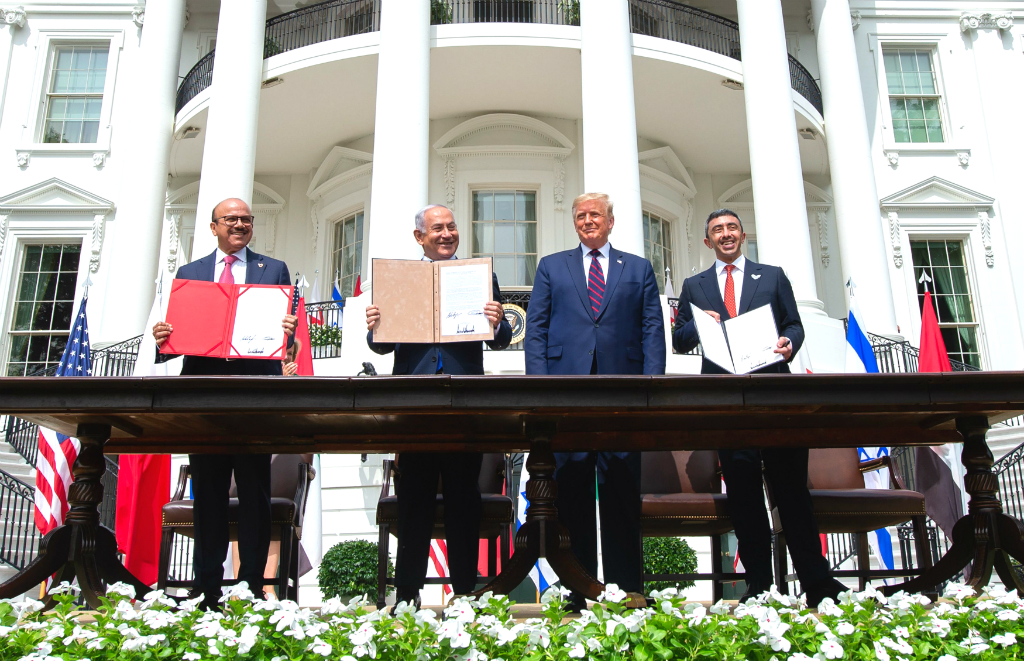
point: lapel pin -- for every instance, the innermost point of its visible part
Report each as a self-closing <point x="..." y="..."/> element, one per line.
<point x="619" y="261"/>
<point x="753" y="277"/>
<point x="261" y="266"/>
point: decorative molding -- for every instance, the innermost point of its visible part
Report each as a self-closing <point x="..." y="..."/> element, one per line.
<point x="139" y="15"/>
<point x="894" y="158"/>
<point x="188" y="15"/>
<point x="559" y="187"/>
<point x="986" y="237"/>
<point x="449" y="180"/>
<point x="3" y="232"/>
<point x="316" y="230"/>
<point x="936" y="193"/>
<point x="173" y="239"/>
<point x="894" y="238"/>
<point x="15" y="17"/>
<point x="328" y="176"/>
<point x="99" y="222"/>
<point x="24" y="158"/>
<point x="99" y="159"/>
<point x="810" y="19"/>
<point x="855" y="19"/>
<point x="972" y="20"/>
<point x="964" y="157"/>
<point x="54" y="196"/>
<point x="822" y="218"/>
<point x="269" y="232"/>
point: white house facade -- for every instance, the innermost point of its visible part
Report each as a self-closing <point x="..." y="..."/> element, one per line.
<point x="863" y="142"/>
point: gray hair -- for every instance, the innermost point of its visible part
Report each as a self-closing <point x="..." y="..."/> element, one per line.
<point x="718" y="214"/>
<point x="587" y="197"/>
<point x="421" y="215"/>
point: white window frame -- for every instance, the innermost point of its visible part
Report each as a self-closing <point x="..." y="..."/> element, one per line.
<point x="35" y="120"/>
<point x="469" y="221"/>
<point x="932" y="42"/>
<point x="325" y="287"/>
<point x="674" y="223"/>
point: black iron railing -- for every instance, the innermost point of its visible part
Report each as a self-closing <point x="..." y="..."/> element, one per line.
<point x="325" y="320"/>
<point x="19" y="539"/>
<point x="697" y="350"/>
<point x="1010" y="472"/>
<point x="116" y="359"/>
<point x="550" y="12"/>
<point x="901" y="356"/>
<point x="315" y="24"/>
<point x="695" y="27"/>
<point x="342" y="18"/>
<point x="23" y="436"/>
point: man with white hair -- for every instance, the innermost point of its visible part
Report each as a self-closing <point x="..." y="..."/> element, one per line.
<point x="438" y="234"/>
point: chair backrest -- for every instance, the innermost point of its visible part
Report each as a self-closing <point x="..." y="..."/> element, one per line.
<point x="680" y="472"/>
<point x="284" y="475"/>
<point x="834" y="468"/>
<point x="492" y="473"/>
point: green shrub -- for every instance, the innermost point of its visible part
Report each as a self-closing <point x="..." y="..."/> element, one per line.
<point x="571" y="10"/>
<point x="440" y="12"/>
<point x="668" y="555"/>
<point x="350" y="569"/>
<point x="322" y="335"/>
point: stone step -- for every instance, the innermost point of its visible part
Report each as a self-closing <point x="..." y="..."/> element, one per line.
<point x="7" y="572"/>
<point x="12" y="456"/>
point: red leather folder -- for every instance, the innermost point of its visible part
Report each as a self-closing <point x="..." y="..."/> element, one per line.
<point x="203" y="317"/>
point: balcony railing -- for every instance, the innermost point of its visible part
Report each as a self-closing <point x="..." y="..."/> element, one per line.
<point x="901" y="356"/>
<point x="333" y="19"/>
<point x="19" y="539"/>
<point x="324" y="328"/>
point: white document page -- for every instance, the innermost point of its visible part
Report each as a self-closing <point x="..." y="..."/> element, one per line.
<point x="753" y="337"/>
<point x="712" y="339"/>
<point x="464" y="290"/>
<point x="257" y="331"/>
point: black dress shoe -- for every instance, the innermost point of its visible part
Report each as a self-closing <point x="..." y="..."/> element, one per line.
<point x="576" y="603"/>
<point x="754" y="590"/>
<point x="828" y="588"/>
<point x="408" y="595"/>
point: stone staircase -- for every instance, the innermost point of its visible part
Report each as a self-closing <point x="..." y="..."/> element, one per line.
<point x="15" y="465"/>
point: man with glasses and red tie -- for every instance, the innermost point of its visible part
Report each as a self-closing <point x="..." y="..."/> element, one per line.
<point x="734" y="285"/>
<point x="596" y="310"/>
<point x="231" y="263"/>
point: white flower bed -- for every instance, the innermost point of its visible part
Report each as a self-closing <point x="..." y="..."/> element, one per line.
<point x="864" y="625"/>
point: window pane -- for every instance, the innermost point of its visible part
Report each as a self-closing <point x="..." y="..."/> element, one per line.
<point x="526" y="237"/>
<point x="924" y="60"/>
<point x="937" y="250"/>
<point x="504" y="234"/>
<point x="69" y="260"/>
<point x="655" y="231"/>
<point x="66" y="287"/>
<point x="90" y="132"/>
<point x="359" y="228"/>
<point x="915" y="109"/>
<point x="63" y="58"/>
<point x="80" y="58"/>
<point x="505" y="268"/>
<point x="901" y="131"/>
<point x="95" y="82"/>
<point x="19" y="347"/>
<point x="934" y="129"/>
<point x="504" y="206"/>
<point x="530" y="212"/>
<point x="72" y="132"/>
<point x="79" y="82"/>
<point x="908" y="61"/>
<point x="928" y="83"/>
<point x="23" y="316"/>
<point x="349" y="232"/>
<point x="483" y="238"/>
<point x="666" y="237"/>
<point x="92" y="108"/>
<point x="27" y="289"/>
<point x="658" y="263"/>
<point x="41" y="316"/>
<point x="57" y="345"/>
<point x="898" y="108"/>
<point x="483" y="206"/>
<point x="962" y="305"/>
<point x="62" y="313"/>
<point x="944" y="309"/>
<point x="47" y="286"/>
<point x="58" y="108"/>
<point x="99" y="59"/>
<point x="531" y="269"/>
<point x="53" y="131"/>
<point x="647" y="227"/>
<point x="32" y="255"/>
<point x="919" y="253"/>
<point x="38" y="347"/>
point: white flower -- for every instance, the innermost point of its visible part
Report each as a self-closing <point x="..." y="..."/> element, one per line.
<point x="958" y="591"/>
<point x="363" y="635"/>
<point x="122" y="589"/>
<point x="191" y="656"/>
<point x="829" y="608"/>
<point x="880" y="652"/>
<point x="610" y="627"/>
<point x="978" y="648"/>
<point x="577" y="651"/>
<point x="720" y="608"/>
<point x="800" y="656"/>
<point x="1008" y="615"/>
<point x="845" y="628"/>
<point x="667" y="593"/>
<point x="697" y="615"/>
<point x="239" y="591"/>
<point x="947" y="657"/>
<point x="64" y="588"/>
<point x="1004" y="639"/>
<point x="612" y="593"/>
<point x="594" y="645"/>
<point x="832" y="650"/>
<point x="461" y="610"/>
<point x="553" y="593"/>
<point x="902" y="632"/>
<point x="320" y="647"/>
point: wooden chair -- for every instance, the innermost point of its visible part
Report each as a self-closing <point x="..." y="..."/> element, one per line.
<point x="497" y="517"/>
<point x="841" y="504"/>
<point x="290" y="477"/>
<point x="682" y="497"/>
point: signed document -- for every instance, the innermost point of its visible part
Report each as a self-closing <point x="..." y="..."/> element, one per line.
<point x="742" y="344"/>
<point x="430" y="302"/>
<point x="227" y="321"/>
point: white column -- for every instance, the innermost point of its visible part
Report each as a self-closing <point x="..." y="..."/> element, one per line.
<point x="610" y="160"/>
<point x="140" y="209"/>
<point x="858" y="219"/>
<point x="783" y="235"/>
<point x="401" y="140"/>
<point x="229" y="154"/>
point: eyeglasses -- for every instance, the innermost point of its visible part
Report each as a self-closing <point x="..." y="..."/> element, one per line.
<point x="236" y="220"/>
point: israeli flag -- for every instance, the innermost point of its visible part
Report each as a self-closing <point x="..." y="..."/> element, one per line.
<point x="860" y="359"/>
<point x="336" y="295"/>
<point x="542" y="575"/>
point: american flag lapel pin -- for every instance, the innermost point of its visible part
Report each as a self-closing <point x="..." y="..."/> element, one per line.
<point x="619" y="261"/>
<point x="261" y="264"/>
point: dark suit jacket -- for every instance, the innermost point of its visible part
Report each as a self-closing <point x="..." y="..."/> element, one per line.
<point x="562" y="334"/>
<point x="456" y="357"/>
<point x="762" y="285"/>
<point x="259" y="270"/>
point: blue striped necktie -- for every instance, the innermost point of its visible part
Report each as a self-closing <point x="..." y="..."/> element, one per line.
<point x="595" y="283"/>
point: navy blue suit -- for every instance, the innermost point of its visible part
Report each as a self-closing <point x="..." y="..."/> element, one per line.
<point x="785" y="469"/>
<point x="626" y="336"/>
<point x="211" y="474"/>
<point x="459" y="471"/>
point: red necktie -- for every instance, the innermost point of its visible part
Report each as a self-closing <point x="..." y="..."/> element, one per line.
<point x="226" y="276"/>
<point x="730" y="291"/>
<point x="595" y="282"/>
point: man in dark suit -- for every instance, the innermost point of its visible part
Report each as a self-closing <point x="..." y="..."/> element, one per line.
<point x="231" y="263"/>
<point x="438" y="234"/>
<point x="732" y="286"/>
<point x="596" y="310"/>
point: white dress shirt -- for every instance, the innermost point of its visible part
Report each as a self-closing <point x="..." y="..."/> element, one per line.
<point x="602" y="260"/>
<point x="237" y="269"/>
<point x="737" y="277"/>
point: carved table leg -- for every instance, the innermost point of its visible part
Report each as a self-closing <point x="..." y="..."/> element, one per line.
<point x="542" y="536"/>
<point x="985" y="536"/>
<point x="81" y="547"/>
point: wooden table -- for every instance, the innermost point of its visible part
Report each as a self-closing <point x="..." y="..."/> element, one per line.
<point x="508" y="413"/>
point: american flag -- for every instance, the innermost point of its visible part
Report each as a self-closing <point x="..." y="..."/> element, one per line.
<point x="57" y="452"/>
<point x="439" y="558"/>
